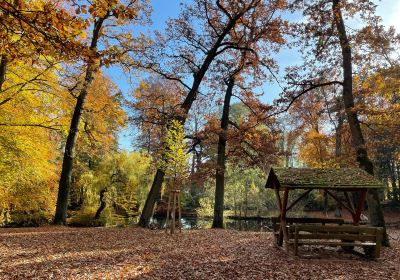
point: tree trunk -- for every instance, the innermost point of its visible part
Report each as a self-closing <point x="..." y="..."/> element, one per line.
<point x="194" y="188"/>
<point x="102" y="204"/>
<point x="338" y="137"/>
<point x="3" y="69"/>
<point x="338" y="149"/>
<point x="186" y="105"/>
<point x="234" y="205"/>
<point x="375" y="212"/>
<point x="69" y="153"/>
<point x="393" y="181"/>
<point x="151" y="199"/>
<point x="246" y="200"/>
<point x="398" y="180"/>
<point x="193" y="184"/>
<point x="218" y="221"/>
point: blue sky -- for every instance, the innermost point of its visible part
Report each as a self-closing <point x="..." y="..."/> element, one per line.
<point x="162" y="10"/>
<point x="389" y="10"/>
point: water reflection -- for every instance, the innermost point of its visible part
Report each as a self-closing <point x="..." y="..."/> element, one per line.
<point x="205" y="223"/>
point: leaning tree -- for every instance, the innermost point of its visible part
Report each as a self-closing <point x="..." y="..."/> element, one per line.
<point x="204" y="30"/>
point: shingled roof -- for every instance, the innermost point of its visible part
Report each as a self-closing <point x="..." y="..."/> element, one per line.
<point x="310" y="178"/>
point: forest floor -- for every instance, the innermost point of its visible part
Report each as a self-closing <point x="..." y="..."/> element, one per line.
<point x="135" y="253"/>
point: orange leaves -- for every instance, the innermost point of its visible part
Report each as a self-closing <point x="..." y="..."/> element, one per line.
<point x="44" y="27"/>
<point x="58" y="30"/>
<point x="103" y="116"/>
<point x="134" y="253"/>
<point x="156" y="103"/>
<point x="116" y="8"/>
<point x="250" y="139"/>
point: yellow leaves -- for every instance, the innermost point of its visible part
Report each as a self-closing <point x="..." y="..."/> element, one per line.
<point x="379" y="94"/>
<point x="83" y="35"/>
<point x="28" y="170"/>
<point x="316" y="150"/>
<point x="175" y="162"/>
<point x="314" y="135"/>
<point x="15" y="37"/>
<point x="138" y="94"/>
<point x="124" y="179"/>
<point x="143" y="85"/>
<point x="28" y="161"/>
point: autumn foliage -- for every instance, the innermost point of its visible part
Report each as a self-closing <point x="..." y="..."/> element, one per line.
<point x="100" y="108"/>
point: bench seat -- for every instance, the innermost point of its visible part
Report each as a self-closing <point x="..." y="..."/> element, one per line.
<point x="346" y="236"/>
<point x="302" y="221"/>
<point x="332" y="243"/>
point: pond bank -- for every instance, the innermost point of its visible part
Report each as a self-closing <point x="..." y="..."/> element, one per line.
<point x="191" y="222"/>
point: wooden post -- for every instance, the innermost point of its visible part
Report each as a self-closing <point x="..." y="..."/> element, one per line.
<point x="168" y="207"/>
<point x="179" y="212"/>
<point x="280" y="235"/>
<point x="296" y="240"/>
<point x="173" y="212"/>
<point x="283" y="218"/>
<point x="360" y="207"/>
<point x="379" y="235"/>
<point x="175" y="200"/>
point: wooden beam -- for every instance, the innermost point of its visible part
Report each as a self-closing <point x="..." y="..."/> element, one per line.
<point x="349" y="201"/>
<point x="340" y="202"/>
<point x="298" y="199"/>
<point x="350" y="204"/>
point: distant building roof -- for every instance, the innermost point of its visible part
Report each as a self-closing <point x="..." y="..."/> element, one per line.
<point x="317" y="178"/>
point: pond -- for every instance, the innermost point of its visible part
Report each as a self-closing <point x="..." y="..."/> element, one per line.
<point x="204" y="223"/>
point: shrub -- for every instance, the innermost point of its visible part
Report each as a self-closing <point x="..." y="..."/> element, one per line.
<point x="85" y="218"/>
<point x="26" y="218"/>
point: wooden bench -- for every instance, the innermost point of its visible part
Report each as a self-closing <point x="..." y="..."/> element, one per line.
<point x="291" y="221"/>
<point x="346" y="236"/>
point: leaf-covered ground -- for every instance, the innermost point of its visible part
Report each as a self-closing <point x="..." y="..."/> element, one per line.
<point x="133" y="253"/>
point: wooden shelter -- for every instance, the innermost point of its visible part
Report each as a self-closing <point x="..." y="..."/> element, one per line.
<point x="331" y="181"/>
